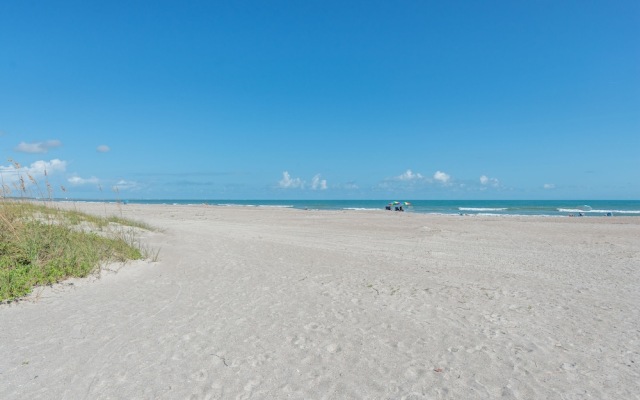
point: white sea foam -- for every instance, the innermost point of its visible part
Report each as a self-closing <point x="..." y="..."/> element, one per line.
<point x="253" y="205"/>
<point x="578" y="210"/>
<point x="481" y="209"/>
<point x="512" y="215"/>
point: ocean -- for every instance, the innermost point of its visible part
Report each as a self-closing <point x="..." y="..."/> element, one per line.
<point x="551" y="208"/>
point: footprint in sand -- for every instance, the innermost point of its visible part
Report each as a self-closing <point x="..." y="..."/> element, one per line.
<point x="200" y="375"/>
<point x="569" y="366"/>
<point x="333" y="348"/>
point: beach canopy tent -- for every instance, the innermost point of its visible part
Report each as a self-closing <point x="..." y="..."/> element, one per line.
<point x="397" y="204"/>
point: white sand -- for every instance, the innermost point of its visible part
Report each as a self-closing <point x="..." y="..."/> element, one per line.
<point x="281" y="303"/>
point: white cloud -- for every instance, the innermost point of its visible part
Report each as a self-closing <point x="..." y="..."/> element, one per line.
<point x="549" y="186"/>
<point x="125" y="185"/>
<point x="486" y="181"/>
<point x="288" y="183"/>
<point x="103" y="148"/>
<point x="36" y="169"/>
<point x="76" y="180"/>
<point x="38" y="147"/>
<point x="351" y="186"/>
<point x="318" y="184"/>
<point x="47" y="167"/>
<point x="30" y="175"/>
<point x="410" y="176"/>
<point x="441" y="177"/>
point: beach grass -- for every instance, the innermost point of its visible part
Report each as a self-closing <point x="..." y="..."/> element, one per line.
<point x="41" y="245"/>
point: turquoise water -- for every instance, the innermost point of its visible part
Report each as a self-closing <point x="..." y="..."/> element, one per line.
<point x="472" y="207"/>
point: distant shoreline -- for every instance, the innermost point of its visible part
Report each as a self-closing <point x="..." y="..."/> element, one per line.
<point x="548" y="208"/>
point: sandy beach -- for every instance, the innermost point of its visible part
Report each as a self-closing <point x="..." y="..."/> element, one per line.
<point x="269" y="303"/>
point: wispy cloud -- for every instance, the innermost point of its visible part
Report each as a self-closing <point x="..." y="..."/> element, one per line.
<point x="441" y="177"/>
<point x="77" y="181"/>
<point x="351" y="186"/>
<point x="290" y="183"/>
<point x="318" y="184"/>
<point x="103" y="148"/>
<point x="410" y="180"/>
<point x="125" y="185"/>
<point x="37" y="147"/>
<point x="486" y="181"/>
<point x="408" y="175"/>
<point x="549" y="186"/>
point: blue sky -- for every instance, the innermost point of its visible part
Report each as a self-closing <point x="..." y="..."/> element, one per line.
<point x="322" y="99"/>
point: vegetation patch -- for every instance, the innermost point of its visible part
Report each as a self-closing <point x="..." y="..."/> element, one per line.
<point x="41" y="245"/>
